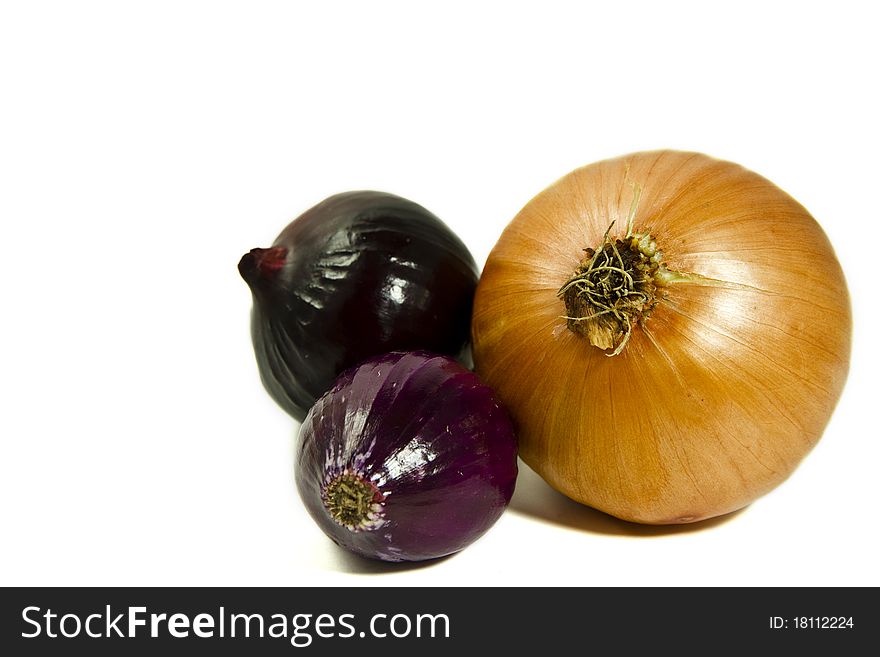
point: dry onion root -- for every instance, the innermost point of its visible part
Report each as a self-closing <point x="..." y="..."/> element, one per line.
<point x="722" y="306"/>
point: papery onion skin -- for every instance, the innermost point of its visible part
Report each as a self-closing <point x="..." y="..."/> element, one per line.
<point x="360" y="274"/>
<point x="423" y="441"/>
<point x="724" y="387"/>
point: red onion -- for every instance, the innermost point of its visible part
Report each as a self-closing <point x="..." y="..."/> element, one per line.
<point x="358" y="275"/>
<point x="408" y="457"/>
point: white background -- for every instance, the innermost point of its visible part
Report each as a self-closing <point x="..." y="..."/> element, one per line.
<point x="145" y="146"/>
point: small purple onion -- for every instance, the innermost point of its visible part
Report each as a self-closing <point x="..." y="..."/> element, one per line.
<point x="408" y="457"/>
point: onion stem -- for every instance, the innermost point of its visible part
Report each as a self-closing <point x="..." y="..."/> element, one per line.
<point x="633" y="208"/>
<point x="612" y="289"/>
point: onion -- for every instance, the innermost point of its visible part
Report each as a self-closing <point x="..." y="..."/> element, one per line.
<point x="408" y="457"/>
<point x="360" y="274"/>
<point x="725" y="315"/>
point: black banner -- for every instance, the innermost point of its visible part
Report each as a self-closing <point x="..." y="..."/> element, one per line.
<point x="402" y="621"/>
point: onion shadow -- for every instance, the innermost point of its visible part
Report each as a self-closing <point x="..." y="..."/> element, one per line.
<point x="349" y="562"/>
<point x="536" y="499"/>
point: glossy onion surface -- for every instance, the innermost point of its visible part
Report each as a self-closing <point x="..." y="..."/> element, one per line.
<point x="360" y="274"/>
<point x="730" y="374"/>
<point x="408" y="457"/>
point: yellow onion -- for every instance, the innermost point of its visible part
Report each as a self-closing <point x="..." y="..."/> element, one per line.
<point x="669" y="332"/>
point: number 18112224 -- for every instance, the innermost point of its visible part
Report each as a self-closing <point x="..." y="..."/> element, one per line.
<point x="812" y="622"/>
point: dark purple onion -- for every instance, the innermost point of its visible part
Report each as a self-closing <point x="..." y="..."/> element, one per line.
<point x="358" y="275"/>
<point x="408" y="457"/>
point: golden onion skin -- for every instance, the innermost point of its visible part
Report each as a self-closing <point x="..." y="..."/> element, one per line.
<point x="727" y="384"/>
